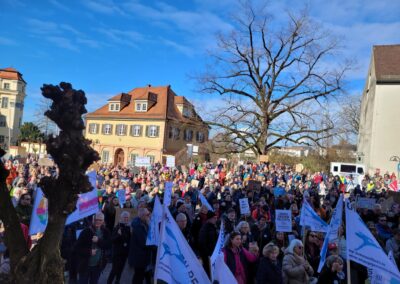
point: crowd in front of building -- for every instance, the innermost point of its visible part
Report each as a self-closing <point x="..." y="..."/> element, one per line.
<point x="255" y="251"/>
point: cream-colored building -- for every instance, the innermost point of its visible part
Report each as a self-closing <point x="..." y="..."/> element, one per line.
<point x="146" y="122"/>
<point x="12" y="96"/>
<point x="379" y="132"/>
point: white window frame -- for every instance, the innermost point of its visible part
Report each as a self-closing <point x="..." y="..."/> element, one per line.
<point x="105" y="156"/>
<point x="153" y="131"/>
<point x="132" y="158"/>
<point x="141" y="106"/>
<point x="7" y="86"/>
<point x="4" y="105"/>
<point x="108" y="127"/>
<point x="117" y="107"/>
<point x="93" y="127"/>
<point x="111" y="107"/>
<point x="136" y="130"/>
<point x="152" y="158"/>
<point x="121" y="129"/>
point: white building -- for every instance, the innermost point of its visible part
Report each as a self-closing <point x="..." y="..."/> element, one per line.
<point x="12" y="95"/>
<point x="379" y="133"/>
<point x="295" y="151"/>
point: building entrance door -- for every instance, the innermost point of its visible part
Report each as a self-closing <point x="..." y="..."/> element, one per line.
<point x="119" y="157"/>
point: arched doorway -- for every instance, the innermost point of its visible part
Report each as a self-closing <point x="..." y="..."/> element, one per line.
<point x="119" y="157"/>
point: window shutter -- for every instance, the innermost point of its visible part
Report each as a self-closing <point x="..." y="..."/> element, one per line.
<point x="147" y="131"/>
<point x="131" y="130"/>
<point x="103" y="129"/>
<point x="140" y="130"/>
<point x="117" y="129"/>
<point x="158" y="131"/>
<point x="111" y="129"/>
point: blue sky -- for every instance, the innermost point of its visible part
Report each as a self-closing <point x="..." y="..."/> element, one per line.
<point x="106" y="47"/>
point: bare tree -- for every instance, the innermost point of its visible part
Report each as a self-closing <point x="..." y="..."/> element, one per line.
<point x="43" y="122"/>
<point x="274" y="80"/>
<point x="73" y="155"/>
<point x="349" y="117"/>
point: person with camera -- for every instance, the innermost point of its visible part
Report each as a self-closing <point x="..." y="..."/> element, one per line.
<point x="120" y="238"/>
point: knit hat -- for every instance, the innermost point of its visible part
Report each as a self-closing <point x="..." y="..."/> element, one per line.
<point x="210" y="215"/>
<point x="179" y="203"/>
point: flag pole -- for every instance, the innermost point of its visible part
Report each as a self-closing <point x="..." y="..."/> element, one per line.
<point x="159" y="241"/>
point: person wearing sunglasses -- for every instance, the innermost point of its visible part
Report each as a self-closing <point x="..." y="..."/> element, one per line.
<point x="295" y="268"/>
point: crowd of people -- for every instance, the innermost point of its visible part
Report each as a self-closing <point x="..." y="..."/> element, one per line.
<point x="255" y="251"/>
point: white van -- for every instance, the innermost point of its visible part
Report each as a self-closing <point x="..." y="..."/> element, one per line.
<point x="355" y="172"/>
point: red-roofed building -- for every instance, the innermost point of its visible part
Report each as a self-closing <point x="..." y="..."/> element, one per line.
<point x="146" y="122"/>
<point x="12" y="96"/>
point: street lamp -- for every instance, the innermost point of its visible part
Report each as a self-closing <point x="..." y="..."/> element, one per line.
<point x="396" y="159"/>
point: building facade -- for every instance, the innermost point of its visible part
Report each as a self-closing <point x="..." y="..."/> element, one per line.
<point x="146" y="122"/>
<point x="379" y="132"/>
<point x="12" y="96"/>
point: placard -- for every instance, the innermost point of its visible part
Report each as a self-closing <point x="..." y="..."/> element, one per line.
<point x="283" y="220"/>
<point x="244" y="206"/>
<point x="46" y="162"/>
<point x="118" y="211"/>
<point x="194" y="183"/>
<point x="263" y="158"/>
<point x="142" y="162"/>
<point x="363" y="202"/>
<point x="170" y="161"/>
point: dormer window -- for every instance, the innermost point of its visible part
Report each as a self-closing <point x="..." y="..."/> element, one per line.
<point x="141" y="106"/>
<point x="114" y="107"/>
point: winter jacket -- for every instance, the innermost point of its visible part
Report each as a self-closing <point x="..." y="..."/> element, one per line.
<point x="139" y="253"/>
<point x="269" y="272"/>
<point x="120" y="242"/>
<point x="207" y="239"/>
<point x="293" y="270"/>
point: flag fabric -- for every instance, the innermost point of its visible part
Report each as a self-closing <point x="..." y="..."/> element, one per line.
<point x="364" y="249"/>
<point x="219" y="270"/>
<point x="176" y="262"/>
<point x="121" y="197"/>
<point x="394" y="185"/>
<point x="86" y="205"/>
<point x="308" y="217"/>
<point x="333" y="229"/>
<point x="153" y="235"/>
<point x="378" y="278"/>
<point x="168" y="194"/>
<point x="205" y="202"/>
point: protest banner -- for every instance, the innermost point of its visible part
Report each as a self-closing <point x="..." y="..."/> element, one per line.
<point x="142" y="162"/>
<point x="363" y="248"/>
<point x="132" y="214"/>
<point x="170" y="161"/>
<point x="283" y="220"/>
<point x="219" y="270"/>
<point x="244" y="206"/>
<point x="254" y="185"/>
<point x="309" y="218"/>
<point x="363" y="202"/>
<point x="205" y="203"/>
<point x="153" y="234"/>
<point x="176" y="262"/>
<point x="46" y="162"/>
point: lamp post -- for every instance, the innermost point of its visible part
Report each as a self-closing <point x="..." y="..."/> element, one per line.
<point x="396" y="159"/>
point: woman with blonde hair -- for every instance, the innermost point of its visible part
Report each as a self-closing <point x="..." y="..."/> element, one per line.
<point x="295" y="268"/>
<point x="270" y="268"/>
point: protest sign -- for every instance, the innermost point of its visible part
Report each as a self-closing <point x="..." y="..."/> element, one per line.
<point x="279" y="191"/>
<point x="121" y="197"/>
<point x="363" y="248"/>
<point x="283" y="220"/>
<point x="194" y="183"/>
<point x="263" y="158"/>
<point x="132" y="214"/>
<point x="176" y="262"/>
<point x="244" y="206"/>
<point x="363" y="202"/>
<point x="299" y="168"/>
<point x="142" y="162"/>
<point x="46" y="162"/>
<point x="254" y="185"/>
<point x="170" y="161"/>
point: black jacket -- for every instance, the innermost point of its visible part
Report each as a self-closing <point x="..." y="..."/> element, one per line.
<point x="208" y="237"/>
<point x="139" y="253"/>
<point x="121" y="241"/>
<point x="268" y="272"/>
<point x="83" y="247"/>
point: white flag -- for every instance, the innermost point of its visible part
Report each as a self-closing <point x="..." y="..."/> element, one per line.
<point x="309" y="218"/>
<point x="379" y="278"/>
<point x="167" y="194"/>
<point x="219" y="270"/>
<point x="176" y="262"/>
<point x="153" y="235"/>
<point x="205" y="202"/>
<point x="364" y="249"/>
<point x="333" y="229"/>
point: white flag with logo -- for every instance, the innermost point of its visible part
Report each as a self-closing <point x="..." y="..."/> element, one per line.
<point x="219" y="270"/>
<point x="333" y="229"/>
<point x="364" y="249"/>
<point x="153" y="235"/>
<point x="176" y="262"/>
<point x="205" y="202"/>
<point x="308" y="217"/>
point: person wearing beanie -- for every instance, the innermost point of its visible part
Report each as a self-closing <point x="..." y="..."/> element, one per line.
<point x="208" y="237"/>
<point x="332" y="272"/>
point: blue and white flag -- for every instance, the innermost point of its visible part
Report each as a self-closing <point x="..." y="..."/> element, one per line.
<point x="153" y="235"/>
<point x="205" y="202"/>
<point x="168" y="194"/>
<point x="364" y="249"/>
<point x="219" y="270"/>
<point x="121" y="197"/>
<point x="379" y="278"/>
<point x="176" y="262"/>
<point x="333" y="230"/>
<point x="308" y="217"/>
<point x="88" y="204"/>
